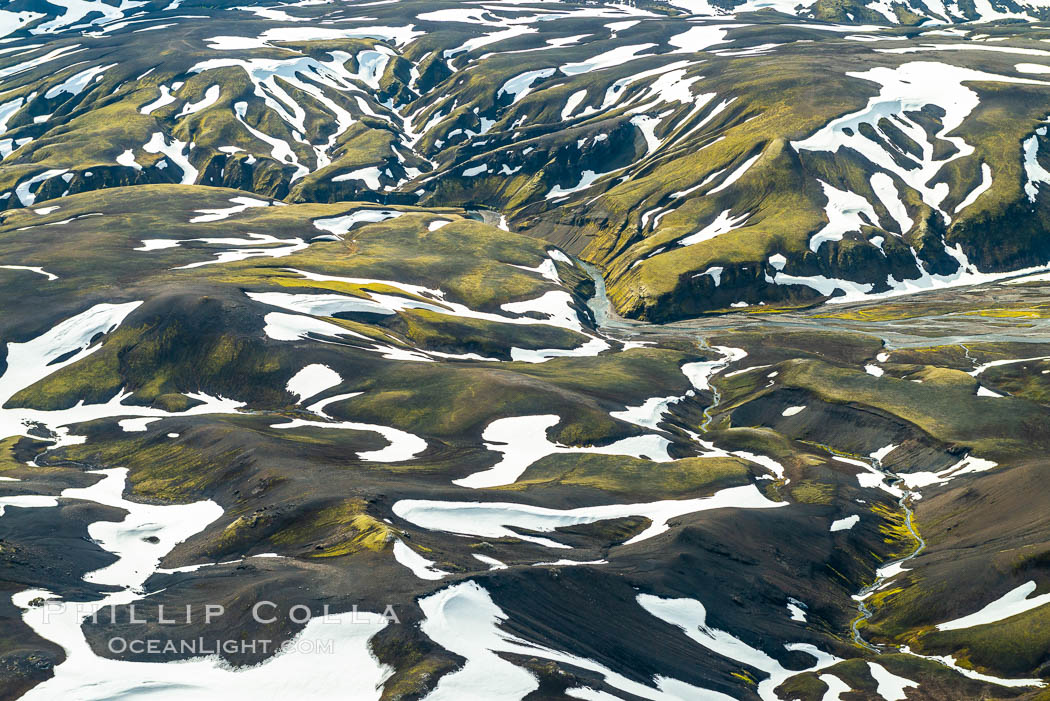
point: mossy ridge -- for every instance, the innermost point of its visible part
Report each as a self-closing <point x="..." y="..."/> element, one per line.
<point x="161" y="469"/>
<point x="855" y="673"/>
<point x="754" y="122"/>
<point x="832" y="345"/>
<point x="417" y="666"/>
<point x="768" y="350"/>
<point x="804" y="687"/>
<point x="765" y="441"/>
<point x="812" y="492"/>
<point x="637" y="373"/>
<point x="931" y="680"/>
<point x="1005" y="116"/>
<point x="440" y="332"/>
<point x="794" y="211"/>
<point x="18" y="455"/>
<point x="366" y="143"/>
<point x="955" y="356"/>
<point x="402" y="250"/>
<point x="342" y="528"/>
<point x="164" y="388"/>
<point x="487" y="280"/>
<point x="898" y="612"/>
<point x="1013" y="647"/>
<point x="634" y="477"/>
<point x="208" y="129"/>
<point x="8" y="461"/>
<point x="968" y="356"/>
<point x="179" y="470"/>
<point x="130" y="215"/>
<point x="442" y="400"/>
<point x="952" y="415"/>
<point x="1028" y="380"/>
<point x="154" y="362"/>
<point x="936" y="679"/>
<point x="647" y="296"/>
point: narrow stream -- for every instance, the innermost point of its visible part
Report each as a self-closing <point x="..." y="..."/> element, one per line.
<point x="920" y="545"/>
<point x="607" y="321"/>
<point x="138" y="558"/>
<point x="716" y="397"/>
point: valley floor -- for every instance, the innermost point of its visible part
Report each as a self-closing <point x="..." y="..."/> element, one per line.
<point x="499" y="491"/>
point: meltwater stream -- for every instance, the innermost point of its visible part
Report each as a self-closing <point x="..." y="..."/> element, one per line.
<point x="884" y="572"/>
<point x="629" y="330"/>
<point x="149" y="532"/>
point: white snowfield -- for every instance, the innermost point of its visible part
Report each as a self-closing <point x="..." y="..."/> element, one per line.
<point x="723" y="224"/>
<point x="554" y="308"/>
<point x="906" y="88"/>
<point x="243" y="248"/>
<point x="891" y="687"/>
<point x="33" y="269"/>
<point x="315" y="379"/>
<point x="402" y="444"/>
<point x="464" y="619"/>
<point x="497" y="519"/>
<point x="240" y="204"/>
<point x="949" y="661"/>
<point x="522" y="441"/>
<point x="419" y="565"/>
<point x="1013" y="603"/>
<point x="36" y="359"/>
<point x="87" y="677"/>
<point x="845" y="524"/>
<point x="312" y="380"/>
<point x="691" y="616"/>
<point x="968" y="465"/>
